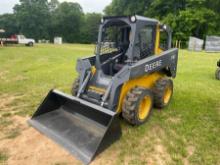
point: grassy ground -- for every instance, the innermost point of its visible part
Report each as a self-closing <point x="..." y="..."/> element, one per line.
<point x="186" y="132"/>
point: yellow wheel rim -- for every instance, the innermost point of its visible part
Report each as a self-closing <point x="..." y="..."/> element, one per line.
<point x="145" y="107"/>
<point x="167" y="95"/>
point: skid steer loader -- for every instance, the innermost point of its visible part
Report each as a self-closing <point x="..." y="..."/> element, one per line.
<point x="217" y="72"/>
<point x="130" y="73"/>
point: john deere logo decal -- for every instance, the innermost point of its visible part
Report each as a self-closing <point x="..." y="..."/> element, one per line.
<point x="153" y="65"/>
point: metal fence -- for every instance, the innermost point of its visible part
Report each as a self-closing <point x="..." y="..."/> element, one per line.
<point x="212" y="44"/>
<point x="195" y="44"/>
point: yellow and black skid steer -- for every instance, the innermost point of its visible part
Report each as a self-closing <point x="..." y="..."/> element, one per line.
<point x="129" y="74"/>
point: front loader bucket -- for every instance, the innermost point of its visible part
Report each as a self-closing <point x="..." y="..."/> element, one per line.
<point x="84" y="129"/>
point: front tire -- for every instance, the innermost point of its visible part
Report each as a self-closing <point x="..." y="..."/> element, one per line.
<point x="30" y="44"/>
<point x="137" y="105"/>
<point x="217" y="74"/>
<point x="163" y="91"/>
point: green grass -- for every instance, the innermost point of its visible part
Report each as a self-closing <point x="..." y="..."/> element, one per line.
<point x="12" y="133"/>
<point x="3" y="157"/>
<point x="5" y="122"/>
<point x="188" y="131"/>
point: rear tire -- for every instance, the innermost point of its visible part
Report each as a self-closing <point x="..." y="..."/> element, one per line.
<point x="163" y="91"/>
<point x="75" y="86"/>
<point x="217" y="74"/>
<point x="137" y="105"/>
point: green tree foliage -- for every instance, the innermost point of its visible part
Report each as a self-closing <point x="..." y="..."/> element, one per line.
<point x="89" y="30"/>
<point x="193" y="22"/>
<point x="186" y="17"/>
<point x="33" y="17"/>
<point x="127" y="7"/>
<point x="44" y="19"/>
<point x="9" y="23"/>
<point x="67" y="20"/>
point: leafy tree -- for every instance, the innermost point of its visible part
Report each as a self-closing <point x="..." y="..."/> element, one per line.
<point x="192" y="22"/>
<point x="89" y="30"/>
<point x="127" y="7"/>
<point x="67" y="21"/>
<point x="9" y="23"/>
<point x="47" y="19"/>
<point x="33" y="17"/>
<point x="186" y="17"/>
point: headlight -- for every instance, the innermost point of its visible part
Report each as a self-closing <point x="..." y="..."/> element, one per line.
<point x="133" y="19"/>
<point x="165" y="27"/>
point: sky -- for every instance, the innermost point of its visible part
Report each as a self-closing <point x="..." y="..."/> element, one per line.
<point x="6" y="6"/>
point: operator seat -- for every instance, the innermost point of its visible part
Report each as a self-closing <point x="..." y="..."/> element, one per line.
<point x="123" y="46"/>
<point x="120" y="64"/>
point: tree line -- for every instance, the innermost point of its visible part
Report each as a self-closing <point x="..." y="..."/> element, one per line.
<point x="43" y="19"/>
<point x="186" y="17"/>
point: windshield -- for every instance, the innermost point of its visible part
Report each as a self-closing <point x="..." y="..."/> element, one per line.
<point x="22" y="36"/>
<point x="115" y="38"/>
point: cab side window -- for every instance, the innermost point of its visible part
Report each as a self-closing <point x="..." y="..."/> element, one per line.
<point x="163" y="40"/>
<point x="146" y="41"/>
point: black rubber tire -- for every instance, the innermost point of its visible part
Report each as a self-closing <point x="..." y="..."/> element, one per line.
<point x="75" y="86"/>
<point x="159" y="90"/>
<point x="217" y="74"/>
<point x="131" y="103"/>
<point x="30" y="44"/>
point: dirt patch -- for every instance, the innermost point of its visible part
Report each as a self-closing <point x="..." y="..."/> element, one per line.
<point x="3" y="75"/>
<point x="18" y="124"/>
<point x="174" y="120"/>
<point x="154" y="151"/>
<point x="161" y="155"/>
<point x="19" y="78"/>
<point x="157" y="155"/>
<point x="190" y="150"/>
<point x="107" y="157"/>
<point x="7" y="102"/>
<point x="31" y="147"/>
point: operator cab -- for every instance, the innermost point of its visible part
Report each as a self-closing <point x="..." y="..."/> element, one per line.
<point x="113" y="46"/>
<point x="122" y="41"/>
<point x="126" y="40"/>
